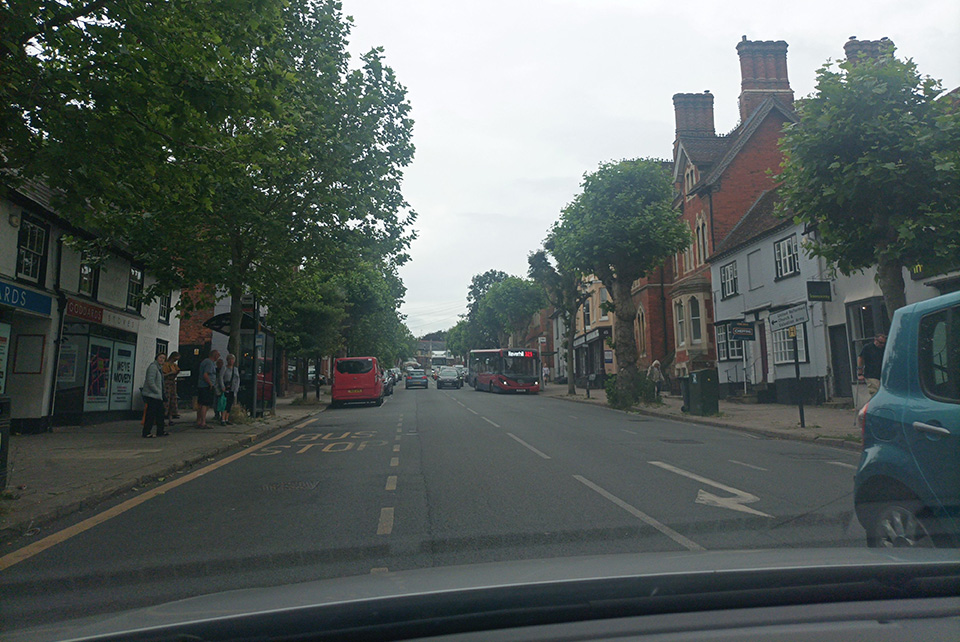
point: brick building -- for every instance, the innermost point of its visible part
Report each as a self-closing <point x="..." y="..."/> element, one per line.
<point x="718" y="178"/>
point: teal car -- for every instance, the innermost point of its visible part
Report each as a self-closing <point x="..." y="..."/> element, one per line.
<point x="907" y="486"/>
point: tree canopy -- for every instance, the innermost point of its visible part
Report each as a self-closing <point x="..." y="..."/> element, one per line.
<point x="874" y="166"/>
<point x="619" y="227"/>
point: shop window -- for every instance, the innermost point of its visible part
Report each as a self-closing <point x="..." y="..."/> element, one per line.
<point x="32" y="251"/>
<point x="89" y="279"/>
<point x="783" y="345"/>
<point x="681" y="338"/>
<point x="135" y="289"/>
<point x="695" y="333"/>
<point x="165" y="308"/>
<point x="785" y="253"/>
<point x="728" y="280"/>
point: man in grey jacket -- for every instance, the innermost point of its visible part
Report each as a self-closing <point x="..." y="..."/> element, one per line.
<point x="152" y="392"/>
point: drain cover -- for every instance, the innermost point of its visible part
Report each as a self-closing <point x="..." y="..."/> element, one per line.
<point x="291" y="485"/>
<point x="681" y="441"/>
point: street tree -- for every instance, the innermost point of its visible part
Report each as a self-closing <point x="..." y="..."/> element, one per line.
<point x="563" y="287"/>
<point x="619" y="227"/>
<point x="457" y="341"/>
<point x="507" y="307"/>
<point x="479" y="332"/>
<point x="873" y="164"/>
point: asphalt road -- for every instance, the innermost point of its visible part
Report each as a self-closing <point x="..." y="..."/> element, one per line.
<point x="435" y="478"/>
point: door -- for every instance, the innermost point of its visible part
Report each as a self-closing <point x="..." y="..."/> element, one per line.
<point x="931" y="420"/>
<point x="840" y="360"/>
<point x="764" y="367"/>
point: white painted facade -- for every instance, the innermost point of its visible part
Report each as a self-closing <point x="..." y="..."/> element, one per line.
<point x="73" y="352"/>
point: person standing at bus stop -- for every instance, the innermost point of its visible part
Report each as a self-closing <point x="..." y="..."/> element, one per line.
<point x="869" y="363"/>
<point x="206" y="385"/>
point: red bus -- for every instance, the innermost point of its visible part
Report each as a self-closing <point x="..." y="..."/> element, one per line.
<point x="505" y="370"/>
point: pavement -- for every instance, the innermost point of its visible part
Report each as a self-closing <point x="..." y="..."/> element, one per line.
<point x="54" y="474"/>
<point x="833" y="426"/>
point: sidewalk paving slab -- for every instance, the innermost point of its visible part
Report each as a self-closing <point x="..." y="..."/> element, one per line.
<point x="54" y="474"/>
<point x="831" y="426"/>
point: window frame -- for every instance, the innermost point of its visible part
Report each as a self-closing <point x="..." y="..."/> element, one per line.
<point x="164" y="303"/>
<point x="725" y="291"/>
<point x="135" y="298"/>
<point x="721" y="341"/>
<point x="779" y="259"/>
<point x="39" y="259"/>
<point x="678" y="320"/>
<point x="696" y="322"/>
<point x="94" y="279"/>
<point x="802" y="346"/>
<point x="586" y="313"/>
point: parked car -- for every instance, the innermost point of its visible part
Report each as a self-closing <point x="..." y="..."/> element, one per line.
<point x="387" y="383"/>
<point x="907" y="487"/>
<point x="415" y="378"/>
<point x="448" y="378"/>
<point x="356" y="379"/>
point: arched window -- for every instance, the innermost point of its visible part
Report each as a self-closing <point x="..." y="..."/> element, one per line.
<point x="695" y="320"/>
<point x="701" y="241"/>
<point x="641" y="327"/>
<point x="681" y="338"/>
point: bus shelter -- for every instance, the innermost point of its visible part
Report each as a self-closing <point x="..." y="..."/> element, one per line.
<point x="257" y="362"/>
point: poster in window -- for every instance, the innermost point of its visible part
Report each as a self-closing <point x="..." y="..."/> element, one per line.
<point x="69" y="359"/>
<point x="121" y="388"/>
<point x="97" y="395"/>
<point x="4" y="351"/>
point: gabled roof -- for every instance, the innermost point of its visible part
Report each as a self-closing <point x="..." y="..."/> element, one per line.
<point x="758" y="222"/>
<point x="740" y="136"/>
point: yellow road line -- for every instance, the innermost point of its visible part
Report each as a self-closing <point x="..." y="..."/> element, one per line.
<point x="306" y="423"/>
<point x="61" y="536"/>
<point x="385" y="527"/>
<point x="391" y="483"/>
<point x="379" y="569"/>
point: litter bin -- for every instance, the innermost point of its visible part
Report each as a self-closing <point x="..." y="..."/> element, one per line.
<point x="704" y="386"/>
<point x="685" y="392"/>
<point x="4" y="439"/>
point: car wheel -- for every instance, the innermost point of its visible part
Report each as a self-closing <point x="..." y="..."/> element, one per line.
<point x="380" y="401"/>
<point x="901" y="524"/>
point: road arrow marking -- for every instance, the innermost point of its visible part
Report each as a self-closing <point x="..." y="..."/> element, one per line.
<point x="709" y="499"/>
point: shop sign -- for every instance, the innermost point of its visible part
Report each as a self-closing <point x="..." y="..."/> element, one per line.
<point x="741" y="330"/>
<point x="4" y="351"/>
<point x="85" y="311"/>
<point x="120" y="321"/>
<point x="18" y="297"/>
<point x="608" y="356"/>
<point x="579" y="341"/>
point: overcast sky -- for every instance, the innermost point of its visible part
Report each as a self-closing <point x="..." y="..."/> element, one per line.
<point x="514" y="101"/>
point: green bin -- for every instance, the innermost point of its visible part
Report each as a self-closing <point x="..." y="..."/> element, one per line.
<point x="704" y="392"/>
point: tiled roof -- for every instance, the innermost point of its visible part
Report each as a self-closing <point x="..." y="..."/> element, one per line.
<point x="705" y="151"/>
<point x="758" y="221"/>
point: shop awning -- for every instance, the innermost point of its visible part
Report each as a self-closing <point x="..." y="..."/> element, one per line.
<point x="221" y="323"/>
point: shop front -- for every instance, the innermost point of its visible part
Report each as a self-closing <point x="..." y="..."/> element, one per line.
<point x="96" y="365"/>
<point x="26" y="337"/>
<point x="592" y="356"/>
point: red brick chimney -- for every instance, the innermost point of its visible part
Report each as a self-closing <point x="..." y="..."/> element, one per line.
<point x="763" y="74"/>
<point x="857" y="49"/>
<point x="694" y="114"/>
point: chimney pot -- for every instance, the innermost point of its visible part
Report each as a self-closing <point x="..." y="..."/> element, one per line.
<point x="694" y="114"/>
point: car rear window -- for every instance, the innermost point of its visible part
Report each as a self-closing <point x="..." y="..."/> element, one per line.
<point x="416" y="373"/>
<point x="354" y="366"/>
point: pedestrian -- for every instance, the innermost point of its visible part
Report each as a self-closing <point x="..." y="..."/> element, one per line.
<point x="206" y="385"/>
<point x="546" y="373"/>
<point x="655" y="375"/>
<point x="218" y="393"/>
<point x="152" y="392"/>
<point x="869" y="363"/>
<point x="230" y="384"/>
<point x="171" y="369"/>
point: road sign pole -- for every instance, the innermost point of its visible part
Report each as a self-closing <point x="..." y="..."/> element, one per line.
<point x="743" y="351"/>
<point x="796" y="365"/>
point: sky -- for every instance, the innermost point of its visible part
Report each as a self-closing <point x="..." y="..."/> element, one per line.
<point x="514" y="101"/>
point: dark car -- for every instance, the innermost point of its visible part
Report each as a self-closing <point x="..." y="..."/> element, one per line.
<point x="449" y="378"/>
<point x="907" y="487"/>
<point x="415" y="378"/>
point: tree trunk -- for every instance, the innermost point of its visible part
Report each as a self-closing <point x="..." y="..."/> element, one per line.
<point x="625" y="343"/>
<point x="236" y="316"/>
<point x="571" y="335"/>
<point x="302" y="367"/>
<point x="890" y="279"/>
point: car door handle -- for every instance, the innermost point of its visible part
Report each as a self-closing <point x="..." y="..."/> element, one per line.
<point x="940" y="431"/>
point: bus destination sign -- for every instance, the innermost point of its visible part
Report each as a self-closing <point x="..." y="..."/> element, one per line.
<point x="521" y="353"/>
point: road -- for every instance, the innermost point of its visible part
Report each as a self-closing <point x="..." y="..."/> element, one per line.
<point x="435" y="478"/>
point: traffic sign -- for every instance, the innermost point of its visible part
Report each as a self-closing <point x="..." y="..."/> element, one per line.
<point x="789" y="317"/>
